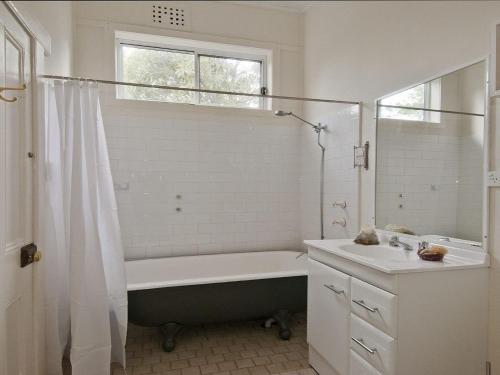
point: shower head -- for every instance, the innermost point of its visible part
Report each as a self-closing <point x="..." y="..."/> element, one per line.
<point x="318" y="128"/>
<point x="282" y="113"/>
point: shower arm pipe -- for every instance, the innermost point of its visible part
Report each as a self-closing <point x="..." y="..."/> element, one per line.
<point x="307" y="122"/>
<point x="163" y="87"/>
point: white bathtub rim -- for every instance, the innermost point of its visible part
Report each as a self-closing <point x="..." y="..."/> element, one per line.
<point x="213" y="280"/>
<point x="301" y="270"/>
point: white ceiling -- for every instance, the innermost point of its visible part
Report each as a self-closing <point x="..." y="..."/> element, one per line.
<point x="289" y="6"/>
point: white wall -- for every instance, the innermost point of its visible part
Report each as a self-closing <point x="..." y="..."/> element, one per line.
<point x="436" y="166"/>
<point x="57" y="19"/>
<point x="419" y="161"/>
<point x="220" y="22"/>
<point x="341" y="178"/>
<point x="470" y="195"/>
<point x="236" y="170"/>
<point x="233" y="174"/>
<point x="363" y="50"/>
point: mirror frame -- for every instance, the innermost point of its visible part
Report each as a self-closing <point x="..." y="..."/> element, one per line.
<point x="485" y="243"/>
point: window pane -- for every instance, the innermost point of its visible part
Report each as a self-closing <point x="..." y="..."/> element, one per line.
<point x="226" y="74"/>
<point x="157" y="67"/>
<point x="414" y="97"/>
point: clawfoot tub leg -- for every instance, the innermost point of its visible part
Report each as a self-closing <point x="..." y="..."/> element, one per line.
<point x="268" y="323"/>
<point x="282" y="318"/>
<point x="169" y="331"/>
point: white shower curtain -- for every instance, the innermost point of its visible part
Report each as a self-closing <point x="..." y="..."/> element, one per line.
<point x="83" y="273"/>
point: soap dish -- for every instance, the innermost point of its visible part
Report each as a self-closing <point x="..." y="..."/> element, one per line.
<point x="432" y="257"/>
<point x="433" y="254"/>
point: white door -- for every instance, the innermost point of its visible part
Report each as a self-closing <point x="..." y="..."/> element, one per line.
<point x="16" y="283"/>
<point x="328" y="309"/>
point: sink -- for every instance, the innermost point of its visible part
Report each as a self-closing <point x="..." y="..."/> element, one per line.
<point x="380" y="252"/>
<point x="390" y="259"/>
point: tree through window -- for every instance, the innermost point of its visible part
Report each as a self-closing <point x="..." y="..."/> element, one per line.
<point x="190" y="69"/>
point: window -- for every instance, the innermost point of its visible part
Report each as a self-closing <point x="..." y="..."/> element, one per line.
<point x="426" y="95"/>
<point x="190" y="67"/>
<point x="157" y="67"/>
<point x="227" y="74"/>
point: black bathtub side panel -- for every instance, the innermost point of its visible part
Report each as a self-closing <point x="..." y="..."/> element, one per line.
<point x="221" y="302"/>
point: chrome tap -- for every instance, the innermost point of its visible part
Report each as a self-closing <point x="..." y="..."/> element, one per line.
<point x="395" y="242"/>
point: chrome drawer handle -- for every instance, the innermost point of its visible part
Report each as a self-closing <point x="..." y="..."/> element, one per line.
<point x="333" y="289"/>
<point x="361" y="303"/>
<point x="361" y="343"/>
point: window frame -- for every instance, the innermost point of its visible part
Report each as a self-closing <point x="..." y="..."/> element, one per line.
<point x="432" y="94"/>
<point x="197" y="52"/>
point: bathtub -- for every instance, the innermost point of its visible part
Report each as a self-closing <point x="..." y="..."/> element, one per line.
<point x="177" y="291"/>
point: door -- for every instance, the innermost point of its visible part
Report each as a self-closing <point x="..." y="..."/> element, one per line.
<point x="328" y="310"/>
<point x="16" y="283"/>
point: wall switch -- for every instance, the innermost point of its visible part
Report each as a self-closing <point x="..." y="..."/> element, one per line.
<point x="493" y="179"/>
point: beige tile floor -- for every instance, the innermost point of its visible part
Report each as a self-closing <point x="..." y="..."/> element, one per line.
<point x="243" y="348"/>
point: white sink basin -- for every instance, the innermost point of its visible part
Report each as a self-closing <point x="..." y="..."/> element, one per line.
<point x="380" y="252"/>
<point x="390" y="259"/>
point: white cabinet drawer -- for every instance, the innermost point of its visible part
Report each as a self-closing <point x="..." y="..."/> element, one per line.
<point x="360" y="367"/>
<point x="328" y="314"/>
<point x="373" y="345"/>
<point x="375" y="305"/>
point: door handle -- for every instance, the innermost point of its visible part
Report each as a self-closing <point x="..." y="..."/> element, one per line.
<point x="361" y="303"/>
<point x="361" y="343"/>
<point x="30" y="254"/>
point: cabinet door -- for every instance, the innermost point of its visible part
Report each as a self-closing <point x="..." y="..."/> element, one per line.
<point x="360" y="367"/>
<point x="374" y="346"/>
<point x="328" y="314"/>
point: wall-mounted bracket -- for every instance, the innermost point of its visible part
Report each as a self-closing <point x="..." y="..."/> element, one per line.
<point x="493" y="179"/>
<point x="361" y="155"/>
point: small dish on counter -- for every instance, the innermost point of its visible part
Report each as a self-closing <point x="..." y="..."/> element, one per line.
<point x="434" y="253"/>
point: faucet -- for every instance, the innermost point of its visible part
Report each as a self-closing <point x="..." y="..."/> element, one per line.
<point x="395" y="242"/>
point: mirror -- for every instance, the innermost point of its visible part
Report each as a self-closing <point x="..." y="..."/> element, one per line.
<point x="430" y="152"/>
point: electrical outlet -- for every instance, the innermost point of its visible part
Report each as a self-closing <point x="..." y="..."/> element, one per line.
<point x="493" y="179"/>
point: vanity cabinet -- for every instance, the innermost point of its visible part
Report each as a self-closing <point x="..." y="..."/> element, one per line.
<point x="329" y="298"/>
<point x="363" y="321"/>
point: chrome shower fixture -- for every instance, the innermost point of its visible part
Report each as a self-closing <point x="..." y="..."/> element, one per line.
<point x="318" y="128"/>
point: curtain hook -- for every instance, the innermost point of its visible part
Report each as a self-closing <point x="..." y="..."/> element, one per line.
<point x="2" y="89"/>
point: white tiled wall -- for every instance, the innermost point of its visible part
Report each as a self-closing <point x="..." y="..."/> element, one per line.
<point x="436" y="166"/>
<point x="470" y="188"/>
<point x="234" y="176"/>
<point x="341" y="178"/>
<point x="429" y="176"/>
<point x="494" y="239"/>
<point x="417" y="170"/>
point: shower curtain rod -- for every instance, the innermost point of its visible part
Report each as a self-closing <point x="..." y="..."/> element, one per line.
<point x="121" y="83"/>
<point x="431" y="110"/>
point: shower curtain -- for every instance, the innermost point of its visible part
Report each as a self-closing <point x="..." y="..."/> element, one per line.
<point x="84" y="287"/>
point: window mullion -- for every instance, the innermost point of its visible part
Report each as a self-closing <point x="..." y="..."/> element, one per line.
<point x="427" y="100"/>
<point x="197" y="76"/>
